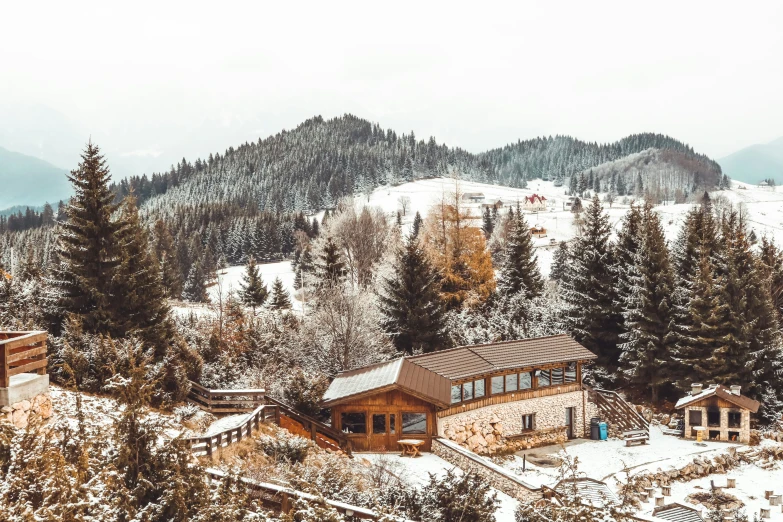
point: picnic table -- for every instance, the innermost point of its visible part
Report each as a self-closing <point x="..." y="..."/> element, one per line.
<point x="410" y="447"/>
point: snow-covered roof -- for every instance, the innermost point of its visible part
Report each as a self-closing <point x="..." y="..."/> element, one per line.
<point x="677" y="513"/>
<point x="590" y="491"/>
<point x="722" y="392"/>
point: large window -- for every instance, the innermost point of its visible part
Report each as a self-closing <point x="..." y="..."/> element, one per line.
<point x="467" y="391"/>
<point x="497" y="384"/>
<point x="511" y="382"/>
<point x="713" y="417"/>
<point x="557" y="376"/>
<point x="543" y="378"/>
<point x="694" y="417"/>
<point x="379" y="423"/>
<point x="479" y="389"/>
<point x="414" y="423"/>
<point x="392" y="427"/>
<point x="456" y="393"/>
<point x="570" y="372"/>
<point x="354" y="422"/>
<point x="735" y="419"/>
<point x="525" y="380"/>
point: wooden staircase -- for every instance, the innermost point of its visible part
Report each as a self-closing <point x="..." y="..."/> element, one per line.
<point x="262" y="408"/>
<point x="616" y="411"/>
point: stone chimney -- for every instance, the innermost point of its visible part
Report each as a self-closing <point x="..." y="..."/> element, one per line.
<point x="735" y="389"/>
<point x="695" y="389"/>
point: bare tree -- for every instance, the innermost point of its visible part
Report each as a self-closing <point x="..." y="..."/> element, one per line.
<point x="404" y="202"/>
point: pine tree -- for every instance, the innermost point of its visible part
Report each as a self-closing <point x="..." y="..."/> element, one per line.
<point x="166" y="257"/>
<point x="417" y="222"/>
<point x="519" y="269"/>
<point x="195" y="289"/>
<point x="304" y="268"/>
<point x="488" y="225"/>
<point x="252" y="290"/>
<point x="594" y="317"/>
<point x="280" y="299"/>
<point x="88" y="247"/>
<point x="649" y="320"/>
<point x="331" y="268"/>
<point x="139" y="303"/>
<point x="560" y="262"/>
<point x="629" y="241"/>
<point x="411" y="304"/>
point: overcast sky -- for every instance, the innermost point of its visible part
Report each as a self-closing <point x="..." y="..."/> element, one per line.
<point x="155" y="81"/>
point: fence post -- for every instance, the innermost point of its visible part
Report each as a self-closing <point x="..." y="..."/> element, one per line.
<point x="4" y="379"/>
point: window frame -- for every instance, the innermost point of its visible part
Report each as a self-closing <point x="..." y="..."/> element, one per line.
<point x="532" y="418"/>
<point x="402" y="422"/>
<point x="353" y="412"/>
<point x="385" y="424"/>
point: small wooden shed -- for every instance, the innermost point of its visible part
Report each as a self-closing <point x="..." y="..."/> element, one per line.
<point x="724" y="413"/>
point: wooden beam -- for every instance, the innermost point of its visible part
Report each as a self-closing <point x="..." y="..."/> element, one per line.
<point x="28" y="367"/>
<point x="26" y="354"/>
<point x="24" y="340"/>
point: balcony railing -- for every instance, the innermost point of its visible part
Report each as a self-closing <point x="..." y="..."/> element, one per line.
<point x="21" y="352"/>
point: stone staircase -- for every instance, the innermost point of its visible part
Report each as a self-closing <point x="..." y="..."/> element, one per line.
<point x="620" y="415"/>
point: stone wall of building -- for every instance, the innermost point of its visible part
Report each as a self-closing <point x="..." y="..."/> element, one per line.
<point x="744" y="429"/>
<point x="497" y="477"/>
<point x="498" y="428"/>
<point x="21" y="413"/>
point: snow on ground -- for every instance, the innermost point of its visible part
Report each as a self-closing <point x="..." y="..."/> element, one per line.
<point x="605" y="459"/>
<point x="416" y="471"/>
<point x="230" y="279"/>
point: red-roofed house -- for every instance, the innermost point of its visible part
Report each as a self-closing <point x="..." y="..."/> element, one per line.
<point x="534" y="202"/>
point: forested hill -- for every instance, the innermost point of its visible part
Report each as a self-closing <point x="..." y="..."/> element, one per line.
<point x="320" y="161"/>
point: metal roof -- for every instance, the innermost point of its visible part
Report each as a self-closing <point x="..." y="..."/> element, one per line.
<point x="398" y="374"/>
<point x="467" y="361"/>
<point x="678" y="513"/>
<point x="722" y="392"/>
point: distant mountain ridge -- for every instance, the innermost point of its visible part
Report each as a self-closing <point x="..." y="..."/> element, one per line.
<point x="756" y="163"/>
<point x="29" y="181"/>
<point x="320" y="161"/>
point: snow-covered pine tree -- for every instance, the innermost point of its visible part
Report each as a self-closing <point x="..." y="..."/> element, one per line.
<point x="519" y="269"/>
<point x="195" y="289"/>
<point x="560" y="262"/>
<point x="410" y="302"/>
<point x="139" y="306"/>
<point x="487" y="224"/>
<point x="279" y="299"/>
<point x="166" y="257"/>
<point x="629" y="242"/>
<point x="590" y="290"/>
<point x="87" y="248"/>
<point x="417" y="222"/>
<point x="646" y="357"/>
<point x="330" y="267"/>
<point x="252" y="290"/>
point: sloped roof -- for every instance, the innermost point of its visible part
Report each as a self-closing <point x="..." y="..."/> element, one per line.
<point x="467" y="361"/>
<point x="590" y="491"/>
<point x="724" y="393"/>
<point x="398" y="374"/>
<point x="677" y="513"/>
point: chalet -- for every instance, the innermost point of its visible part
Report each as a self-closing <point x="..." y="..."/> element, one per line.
<point x="721" y="413"/>
<point x="486" y="397"/>
<point x="534" y="203"/>
<point x="537" y="231"/>
<point x="473" y="197"/>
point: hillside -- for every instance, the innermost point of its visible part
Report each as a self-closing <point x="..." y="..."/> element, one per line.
<point x="26" y="180"/>
<point x="755" y="163"/>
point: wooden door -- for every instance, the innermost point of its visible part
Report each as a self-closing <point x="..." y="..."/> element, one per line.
<point x="569" y="422"/>
<point x="379" y="432"/>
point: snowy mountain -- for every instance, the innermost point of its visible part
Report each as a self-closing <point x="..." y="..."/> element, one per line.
<point x="25" y="180"/>
<point x="755" y="163"/>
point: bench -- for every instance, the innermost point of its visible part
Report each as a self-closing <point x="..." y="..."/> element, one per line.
<point x="636" y="437"/>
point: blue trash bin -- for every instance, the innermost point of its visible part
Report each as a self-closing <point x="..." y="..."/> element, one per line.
<point x="603" y="431"/>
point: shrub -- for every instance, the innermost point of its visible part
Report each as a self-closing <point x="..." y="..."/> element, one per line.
<point x="285" y="448"/>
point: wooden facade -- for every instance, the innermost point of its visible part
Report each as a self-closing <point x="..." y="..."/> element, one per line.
<point x="392" y="406"/>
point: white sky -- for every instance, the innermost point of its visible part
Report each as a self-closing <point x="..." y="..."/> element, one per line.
<point x="157" y="80"/>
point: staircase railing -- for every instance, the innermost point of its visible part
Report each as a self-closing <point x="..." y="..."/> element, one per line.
<point x="208" y="444"/>
<point x="618" y="410"/>
<point x="320" y="433"/>
<point x="225" y="401"/>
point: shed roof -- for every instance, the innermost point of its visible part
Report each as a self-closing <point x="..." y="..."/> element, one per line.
<point x="678" y="513"/>
<point x="590" y="491"/>
<point x="398" y="374"/>
<point x="722" y="392"/>
<point x="467" y="361"/>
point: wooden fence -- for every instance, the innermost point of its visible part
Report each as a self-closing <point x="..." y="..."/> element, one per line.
<point x="225" y="401"/>
<point x="281" y="498"/>
<point x="208" y="444"/>
<point x="21" y="352"/>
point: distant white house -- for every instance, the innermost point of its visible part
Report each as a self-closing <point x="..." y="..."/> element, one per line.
<point x="474" y="197"/>
<point x="534" y="203"/>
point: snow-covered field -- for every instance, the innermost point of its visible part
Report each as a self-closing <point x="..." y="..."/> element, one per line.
<point x="764" y="208"/>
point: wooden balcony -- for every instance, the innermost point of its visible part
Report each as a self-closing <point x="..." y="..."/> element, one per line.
<point x="21" y="352"/>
